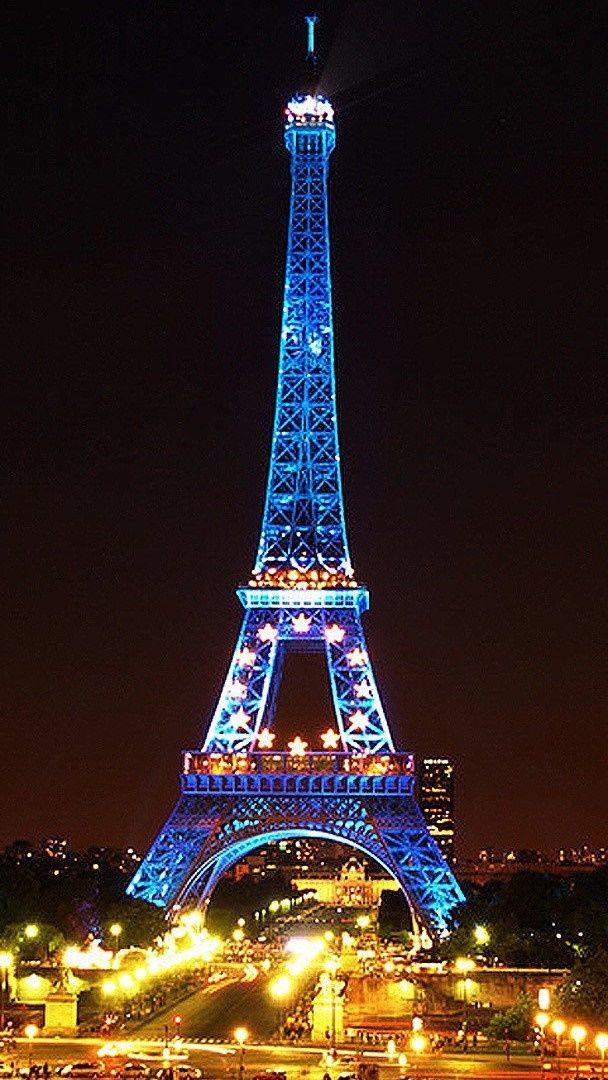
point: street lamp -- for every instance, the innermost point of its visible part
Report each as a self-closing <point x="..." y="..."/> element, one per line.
<point x="558" y="1027"/>
<point x="31" y="932"/>
<point x="542" y="1019"/>
<point x="331" y="966"/>
<point x="241" y="1035"/>
<point x="281" y="989"/>
<point x="116" y="931"/>
<point x="30" y="1031"/>
<point x="6" y="961"/>
<point x="418" y="1045"/>
<point x="578" y="1034"/>
<point x="481" y="935"/>
<point x="601" y="1041"/>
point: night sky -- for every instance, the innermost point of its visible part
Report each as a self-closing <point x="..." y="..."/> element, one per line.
<point x="147" y="206"/>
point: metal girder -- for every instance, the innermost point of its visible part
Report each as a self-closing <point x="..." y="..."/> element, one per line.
<point x="389" y="830"/>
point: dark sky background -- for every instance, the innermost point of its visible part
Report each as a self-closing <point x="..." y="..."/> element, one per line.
<point x="148" y="193"/>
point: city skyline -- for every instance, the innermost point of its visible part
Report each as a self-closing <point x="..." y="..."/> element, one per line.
<point x="148" y="428"/>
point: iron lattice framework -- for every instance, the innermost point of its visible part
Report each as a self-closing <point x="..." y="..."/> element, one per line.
<point x="238" y="791"/>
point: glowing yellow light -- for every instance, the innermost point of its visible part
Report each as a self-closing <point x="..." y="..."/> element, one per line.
<point x="108" y="986"/>
<point x="246" y="657"/>
<point x="482" y="937"/>
<point x="297" y="747"/>
<point x="125" y="981"/>
<point x="363" y="921"/>
<point x="273" y="906"/>
<point x="116" y="930"/>
<point x="356" y="658"/>
<point x="544" y="999"/>
<point x="265" y="739"/>
<point x="416" y="1023"/>
<point x="267" y="633"/>
<point x="358" y="720"/>
<point x="6" y="960"/>
<point x="558" y="1027"/>
<point x="541" y="1020"/>
<point x="389" y="967"/>
<point x="241" y="1035"/>
<point x="402" y="1060"/>
<point x="34" y="982"/>
<point x="418" y="1043"/>
<point x="238" y="934"/>
<point x="329" y="935"/>
<point x="578" y="1034"/>
<point x="281" y="987"/>
<point x="334" y="634"/>
<point x="362" y="690"/>
<point x="464" y="963"/>
<point x="391" y="1048"/>
<point x="332" y="964"/>
<point x="330" y="739"/>
<point x="240" y="719"/>
<point x="31" y="931"/>
<point x="601" y="1041"/>
<point x="30" y="1031"/>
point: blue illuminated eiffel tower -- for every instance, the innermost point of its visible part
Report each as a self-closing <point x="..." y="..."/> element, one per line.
<point x="239" y="791"/>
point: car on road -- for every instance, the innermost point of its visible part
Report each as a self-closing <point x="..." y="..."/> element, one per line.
<point x="81" y="1070"/>
<point x="181" y="1072"/>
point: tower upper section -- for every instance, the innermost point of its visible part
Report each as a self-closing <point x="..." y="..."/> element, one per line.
<point x="303" y="540"/>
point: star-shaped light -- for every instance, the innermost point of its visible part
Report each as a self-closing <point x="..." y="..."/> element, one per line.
<point x="265" y="739"/>
<point x="297" y="747"/>
<point x="246" y="657"/>
<point x="356" y="658"/>
<point x="358" y="721"/>
<point x="301" y="623"/>
<point x="240" y="719"/>
<point x="330" y="739"/>
<point x="334" y="634"/>
<point x="238" y="690"/>
<point x="267" y="632"/>
<point x="362" y="690"/>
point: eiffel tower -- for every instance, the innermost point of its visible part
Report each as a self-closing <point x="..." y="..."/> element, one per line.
<point x="239" y="791"/>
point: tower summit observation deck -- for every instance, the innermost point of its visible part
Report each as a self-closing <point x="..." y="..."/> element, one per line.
<point x="238" y="790"/>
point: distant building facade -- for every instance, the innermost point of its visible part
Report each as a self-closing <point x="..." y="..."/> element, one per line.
<point x="436" y="798"/>
<point x="351" y="887"/>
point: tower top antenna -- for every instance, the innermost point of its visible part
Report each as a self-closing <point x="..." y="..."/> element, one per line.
<point x="310" y="31"/>
<point x="311" y="60"/>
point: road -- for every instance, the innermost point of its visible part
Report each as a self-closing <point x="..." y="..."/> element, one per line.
<point x="302" y="1063"/>
<point x="214" y="1011"/>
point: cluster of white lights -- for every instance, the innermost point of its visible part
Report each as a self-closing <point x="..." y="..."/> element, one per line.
<point x="311" y="107"/>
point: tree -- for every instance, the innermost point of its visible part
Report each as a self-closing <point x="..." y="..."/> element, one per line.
<point x="583" y="995"/>
<point x="513" y="1023"/>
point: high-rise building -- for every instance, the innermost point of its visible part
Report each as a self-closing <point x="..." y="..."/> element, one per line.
<point x="436" y="798"/>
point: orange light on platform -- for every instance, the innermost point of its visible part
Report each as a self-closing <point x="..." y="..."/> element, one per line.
<point x="246" y="657"/>
<point x="358" y="721"/>
<point x="356" y="658"/>
<point x="297" y="747"/>
<point x="265" y="739"/>
<point x="330" y="739"/>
